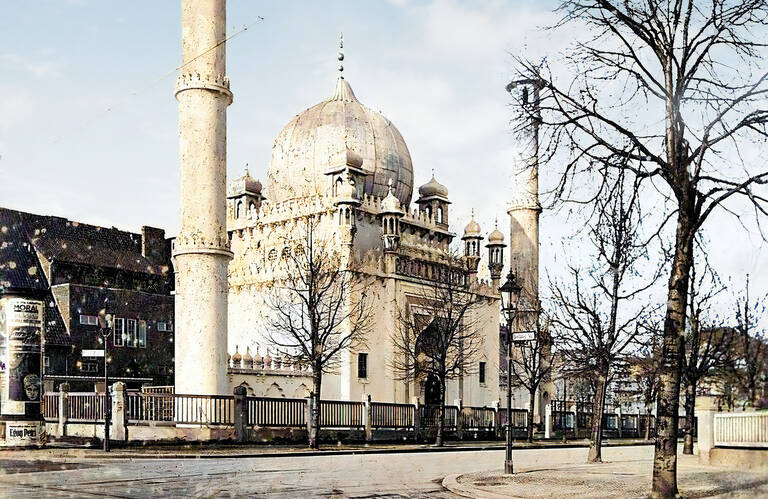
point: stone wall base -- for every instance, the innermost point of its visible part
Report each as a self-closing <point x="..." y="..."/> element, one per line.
<point x="739" y="458"/>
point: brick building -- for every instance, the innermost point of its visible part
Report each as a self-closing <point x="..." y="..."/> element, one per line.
<point x="75" y="269"/>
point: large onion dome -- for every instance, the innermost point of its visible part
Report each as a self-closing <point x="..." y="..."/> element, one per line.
<point x="319" y="137"/>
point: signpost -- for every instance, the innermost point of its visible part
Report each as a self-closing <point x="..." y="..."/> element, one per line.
<point x="521" y="336"/>
<point x="93" y="353"/>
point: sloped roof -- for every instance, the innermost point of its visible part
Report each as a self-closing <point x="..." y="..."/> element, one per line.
<point x="59" y="239"/>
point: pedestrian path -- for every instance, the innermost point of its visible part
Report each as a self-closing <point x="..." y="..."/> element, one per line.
<point x="621" y="478"/>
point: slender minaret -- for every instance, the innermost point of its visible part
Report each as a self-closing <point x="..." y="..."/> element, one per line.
<point x="525" y="208"/>
<point x="201" y="251"/>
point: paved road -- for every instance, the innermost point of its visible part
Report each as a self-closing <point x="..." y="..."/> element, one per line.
<point x="380" y="475"/>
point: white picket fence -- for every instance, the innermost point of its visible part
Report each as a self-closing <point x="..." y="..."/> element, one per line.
<point x="741" y="429"/>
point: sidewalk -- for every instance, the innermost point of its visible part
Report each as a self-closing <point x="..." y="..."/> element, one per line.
<point x="609" y="479"/>
<point x="207" y="451"/>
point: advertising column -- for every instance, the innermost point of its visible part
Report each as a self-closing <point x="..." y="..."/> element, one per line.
<point x="21" y="329"/>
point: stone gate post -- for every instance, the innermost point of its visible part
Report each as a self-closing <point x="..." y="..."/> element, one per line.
<point x="63" y="408"/>
<point x="117" y="430"/>
<point x="241" y="414"/>
<point x="705" y="410"/>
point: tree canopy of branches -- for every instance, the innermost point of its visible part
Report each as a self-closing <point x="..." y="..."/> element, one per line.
<point x="532" y="361"/>
<point x="752" y="348"/>
<point x="676" y="88"/>
<point x="595" y="327"/>
<point x="438" y="334"/>
<point x="709" y="347"/>
<point x="318" y="307"/>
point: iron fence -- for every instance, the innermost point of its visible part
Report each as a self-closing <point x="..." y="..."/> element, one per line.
<point x="388" y="415"/>
<point x="264" y="411"/>
<point x="85" y="407"/>
<point x="341" y="414"/>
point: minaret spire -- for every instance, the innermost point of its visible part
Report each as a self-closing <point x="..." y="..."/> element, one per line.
<point x="341" y="55"/>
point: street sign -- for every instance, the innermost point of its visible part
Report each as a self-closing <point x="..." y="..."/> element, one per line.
<point x="93" y="353"/>
<point x="524" y="336"/>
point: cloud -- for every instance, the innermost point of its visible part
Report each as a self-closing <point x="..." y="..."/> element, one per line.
<point x="36" y="65"/>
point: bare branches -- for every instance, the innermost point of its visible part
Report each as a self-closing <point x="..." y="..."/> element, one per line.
<point x="319" y="306"/>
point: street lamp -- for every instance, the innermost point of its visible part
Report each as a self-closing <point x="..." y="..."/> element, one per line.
<point x="105" y="330"/>
<point x="510" y="294"/>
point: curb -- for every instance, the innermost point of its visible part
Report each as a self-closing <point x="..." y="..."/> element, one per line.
<point x="451" y="483"/>
<point x="84" y="453"/>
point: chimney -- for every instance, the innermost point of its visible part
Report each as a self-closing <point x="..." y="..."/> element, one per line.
<point x="154" y="246"/>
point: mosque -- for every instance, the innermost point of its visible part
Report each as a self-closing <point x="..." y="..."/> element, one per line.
<point x="350" y="167"/>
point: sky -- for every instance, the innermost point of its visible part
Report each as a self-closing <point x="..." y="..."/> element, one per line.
<point x="88" y="122"/>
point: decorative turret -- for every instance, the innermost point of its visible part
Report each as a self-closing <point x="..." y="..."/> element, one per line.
<point x="472" y="238"/>
<point x="258" y="360"/>
<point x="244" y="196"/>
<point x="495" y="255"/>
<point x="247" y="359"/>
<point x="236" y="359"/>
<point x="433" y="200"/>
<point x="390" y="221"/>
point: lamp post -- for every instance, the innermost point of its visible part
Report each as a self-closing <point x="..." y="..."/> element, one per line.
<point x="105" y="330"/>
<point x="510" y="293"/>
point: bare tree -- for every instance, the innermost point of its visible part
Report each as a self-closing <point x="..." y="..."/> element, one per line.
<point x="595" y="329"/>
<point x="438" y="335"/>
<point x="319" y="307"/>
<point x="676" y="87"/>
<point x="753" y="347"/>
<point x="532" y="360"/>
<point x="708" y="346"/>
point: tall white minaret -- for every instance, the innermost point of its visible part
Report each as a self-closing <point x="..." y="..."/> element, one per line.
<point x="525" y="208"/>
<point x="201" y="251"/>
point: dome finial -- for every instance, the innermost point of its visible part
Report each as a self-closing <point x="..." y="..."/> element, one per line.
<point x="341" y="55"/>
<point x="390" y="185"/>
<point x="247" y="173"/>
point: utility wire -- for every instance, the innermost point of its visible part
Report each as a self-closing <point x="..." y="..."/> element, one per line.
<point x="166" y="75"/>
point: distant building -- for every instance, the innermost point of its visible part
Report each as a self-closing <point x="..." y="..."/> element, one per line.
<point x="73" y="268"/>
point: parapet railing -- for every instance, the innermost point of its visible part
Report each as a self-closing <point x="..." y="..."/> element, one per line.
<point x="741" y="429"/>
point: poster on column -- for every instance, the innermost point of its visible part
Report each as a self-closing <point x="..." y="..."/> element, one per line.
<point x="23" y="330"/>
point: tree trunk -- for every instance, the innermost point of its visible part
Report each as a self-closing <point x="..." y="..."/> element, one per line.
<point x="440" y="416"/>
<point x="690" y="404"/>
<point x="314" y="423"/>
<point x="668" y="399"/>
<point x="596" y="442"/>
<point x="648" y="421"/>
<point x="531" y="405"/>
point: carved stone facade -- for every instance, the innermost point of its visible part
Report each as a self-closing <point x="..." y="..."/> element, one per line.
<point x="359" y="174"/>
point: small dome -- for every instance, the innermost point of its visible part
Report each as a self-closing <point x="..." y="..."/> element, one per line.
<point x="244" y="184"/>
<point x="391" y="204"/>
<point x="496" y="236"/>
<point x="237" y="357"/>
<point x="247" y="357"/>
<point x="473" y="229"/>
<point x="257" y="358"/>
<point x="433" y="188"/>
<point x="347" y="193"/>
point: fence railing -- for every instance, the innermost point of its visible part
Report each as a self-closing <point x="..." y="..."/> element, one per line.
<point x="50" y="406"/>
<point x="387" y="415"/>
<point x="741" y="429"/>
<point x="180" y="409"/>
<point x="274" y="412"/>
<point x="85" y="407"/>
<point x="429" y="414"/>
<point x="519" y="419"/>
<point x="341" y="414"/>
<point x="161" y="407"/>
<point x="477" y="418"/>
